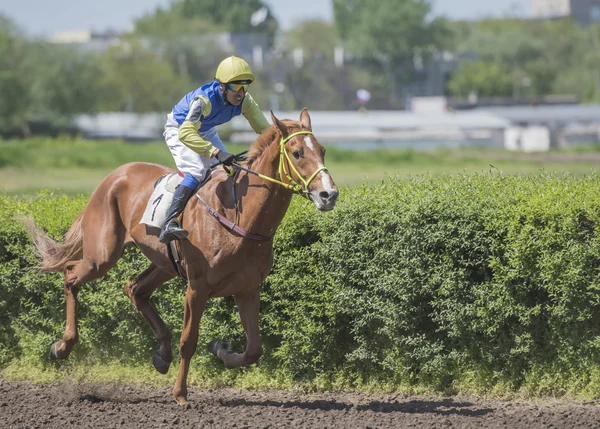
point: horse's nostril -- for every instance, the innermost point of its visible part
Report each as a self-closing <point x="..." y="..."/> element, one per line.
<point x="324" y="195"/>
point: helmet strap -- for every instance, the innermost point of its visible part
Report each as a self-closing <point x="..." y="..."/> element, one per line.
<point x="224" y="92"/>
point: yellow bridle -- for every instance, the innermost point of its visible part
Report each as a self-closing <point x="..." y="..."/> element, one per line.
<point x="284" y="159"/>
<point x="296" y="187"/>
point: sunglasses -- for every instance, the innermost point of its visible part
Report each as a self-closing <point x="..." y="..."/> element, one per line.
<point x="235" y="87"/>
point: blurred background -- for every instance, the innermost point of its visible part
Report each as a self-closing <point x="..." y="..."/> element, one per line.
<point x="391" y="85"/>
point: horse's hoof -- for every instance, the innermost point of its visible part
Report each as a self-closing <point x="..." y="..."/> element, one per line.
<point x="182" y="402"/>
<point x="215" y="345"/>
<point x="160" y="364"/>
<point x="180" y="396"/>
<point x="54" y="353"/>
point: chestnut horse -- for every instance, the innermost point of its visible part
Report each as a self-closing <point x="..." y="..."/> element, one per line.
<point x="216" y="260"/>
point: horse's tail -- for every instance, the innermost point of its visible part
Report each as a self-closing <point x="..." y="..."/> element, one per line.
<point x="54" y="255"/>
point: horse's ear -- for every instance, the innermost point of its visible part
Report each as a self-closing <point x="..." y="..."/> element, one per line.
<point x="284" y="130"/>
<point x="305" y="119"/>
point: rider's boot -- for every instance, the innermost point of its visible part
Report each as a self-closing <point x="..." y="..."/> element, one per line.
<point x="171" y="229"/>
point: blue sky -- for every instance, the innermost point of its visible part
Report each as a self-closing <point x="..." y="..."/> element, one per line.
<point x="44" y="17"/>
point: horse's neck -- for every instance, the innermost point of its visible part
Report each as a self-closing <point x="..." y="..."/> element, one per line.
<point x="268" y="201"/>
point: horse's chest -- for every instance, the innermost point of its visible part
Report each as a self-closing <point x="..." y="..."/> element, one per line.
<point x="238" y="272"/>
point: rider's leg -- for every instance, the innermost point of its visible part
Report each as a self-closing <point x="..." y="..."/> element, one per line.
<point x="172" y="229"/>
<point x="195" y="168"/>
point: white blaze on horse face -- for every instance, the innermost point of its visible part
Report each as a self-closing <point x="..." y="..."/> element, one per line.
<point x="326" y="181"/>
<point x="325" y="177"/>
<point x="308" y="142"/>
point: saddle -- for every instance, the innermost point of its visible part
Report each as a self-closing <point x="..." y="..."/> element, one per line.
<point x="155" y="214"/>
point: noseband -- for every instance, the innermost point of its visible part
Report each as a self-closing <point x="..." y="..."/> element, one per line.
<point x="283" y="155"/>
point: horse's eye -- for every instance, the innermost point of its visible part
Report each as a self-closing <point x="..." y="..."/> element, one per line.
<point x="296" y="154"/>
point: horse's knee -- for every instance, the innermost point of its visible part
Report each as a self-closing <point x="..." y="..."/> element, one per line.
<point x="135" y="296"/>
<point x="131" y="292"/>
<point x="136" y="291"/>
<point x="188" y="347"/>
<point x="128" y="291"/>
<point x="72" y="279"/>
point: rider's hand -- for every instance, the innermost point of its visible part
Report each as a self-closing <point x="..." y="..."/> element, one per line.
<point x="225" y="158"/>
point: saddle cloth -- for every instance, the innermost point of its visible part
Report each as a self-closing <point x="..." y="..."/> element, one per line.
<point x="160" y="200"/>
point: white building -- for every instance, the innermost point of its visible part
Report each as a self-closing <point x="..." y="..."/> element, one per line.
<point x="585" y="12"/>
<point x="551" y="8"/>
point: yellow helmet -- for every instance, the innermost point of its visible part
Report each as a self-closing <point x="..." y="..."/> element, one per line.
<point x="234" y="69"/>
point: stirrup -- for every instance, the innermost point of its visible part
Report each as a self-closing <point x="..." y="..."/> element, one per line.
<point x="172" y="231"/>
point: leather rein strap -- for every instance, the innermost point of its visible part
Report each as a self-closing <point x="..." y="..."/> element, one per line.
<point x="232" y="226"/>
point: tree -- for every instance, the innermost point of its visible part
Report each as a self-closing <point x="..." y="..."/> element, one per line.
<point x="538" y="62"/>
<point x="174" y="24"/>
<point x="138" y="80"/>
<point x="16" y="76"/>
<point x="387" y="34"/>
<point x="67" y="84"/>
<point x="186" y="34"/>
<point x="202" y="17"/>
<point x="579" y="55"/>
<point x="234" y="15"/>
<point x="317" y="83"/>
<point x="485" y="79"/>
<point x="43" y="82"/>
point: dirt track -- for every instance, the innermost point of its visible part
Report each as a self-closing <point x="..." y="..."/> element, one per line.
<point x="65" y="405"/>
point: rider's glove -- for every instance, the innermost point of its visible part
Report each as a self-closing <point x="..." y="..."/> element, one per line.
<point x="225" y="158"/>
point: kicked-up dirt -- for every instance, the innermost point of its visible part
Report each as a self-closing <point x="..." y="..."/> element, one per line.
<point x="68" y="405"/>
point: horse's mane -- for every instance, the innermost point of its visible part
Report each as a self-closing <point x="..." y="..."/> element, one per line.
<point x="263" y="141"/>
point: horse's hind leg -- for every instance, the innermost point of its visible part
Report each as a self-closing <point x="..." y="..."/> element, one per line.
<point x="62" y="349"/>
<point x="77" y="273"/>
<point x="103" y="244"/>
<point x="139" y="291"/>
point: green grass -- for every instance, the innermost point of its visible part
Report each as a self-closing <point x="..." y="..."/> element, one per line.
<point x="75" y="166"/>
<point x="143" y="374"/>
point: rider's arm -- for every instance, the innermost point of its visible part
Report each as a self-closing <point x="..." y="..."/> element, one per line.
<point x="188" y="131"/>
<point x="252" y="113"/>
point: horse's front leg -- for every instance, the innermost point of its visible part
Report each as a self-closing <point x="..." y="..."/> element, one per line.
<point x="195" y="302"/>
<point x="248" y="307"/>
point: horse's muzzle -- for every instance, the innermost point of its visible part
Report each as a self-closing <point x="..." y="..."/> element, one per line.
<point x="324" y="200"/>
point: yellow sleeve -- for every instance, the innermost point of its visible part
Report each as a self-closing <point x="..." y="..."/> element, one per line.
<point x="188" y="131"/>
<point x="252" y="113"/>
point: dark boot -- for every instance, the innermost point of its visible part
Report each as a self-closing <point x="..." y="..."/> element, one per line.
<point x="171" y="229"/>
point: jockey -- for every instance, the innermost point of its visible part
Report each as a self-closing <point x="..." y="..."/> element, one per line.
<point x="192" y="138"/>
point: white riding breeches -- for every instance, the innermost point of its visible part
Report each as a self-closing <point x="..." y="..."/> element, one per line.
<point x="186" y="159"/>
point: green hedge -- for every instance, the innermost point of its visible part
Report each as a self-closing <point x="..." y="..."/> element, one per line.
<point x="455" y="282"/>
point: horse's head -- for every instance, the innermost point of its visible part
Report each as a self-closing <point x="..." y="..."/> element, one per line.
<point x="302" y="162"/>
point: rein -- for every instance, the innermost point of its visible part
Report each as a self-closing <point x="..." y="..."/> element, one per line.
<point x="284" y="158"/>
<point x="233" y="226"/>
